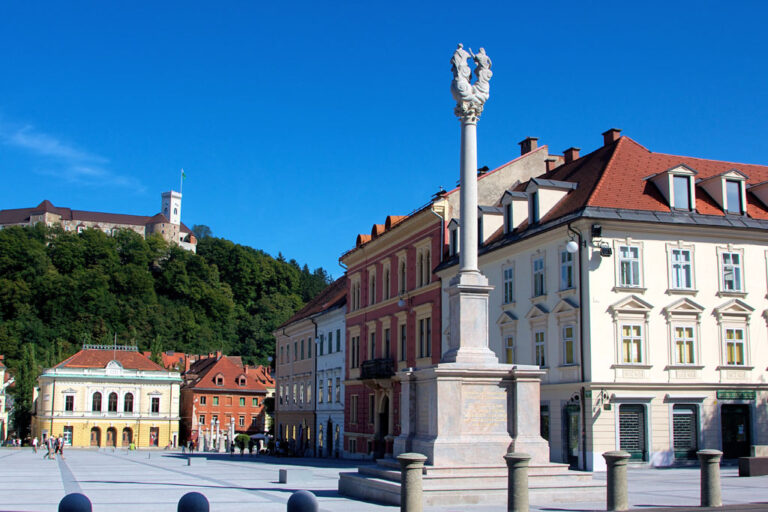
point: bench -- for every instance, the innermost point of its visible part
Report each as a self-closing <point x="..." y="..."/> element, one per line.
<point x="753" y="466"/>
<point x="294" y="476"/>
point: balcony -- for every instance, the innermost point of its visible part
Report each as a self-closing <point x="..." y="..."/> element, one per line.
<point x="382" y="368"/>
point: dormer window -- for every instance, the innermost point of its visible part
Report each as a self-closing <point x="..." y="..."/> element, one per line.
<point x="241" y="381"/>
<point x="508" y="225"/>
<point x="733" y="196"/>
<point x="682" y="192"/>
<point x="480" y="230"/>
<point x="534" y="214"/>
<point x="514" y="209"/>
<point x="219" y="380"/>
<point x="453" y="237"/>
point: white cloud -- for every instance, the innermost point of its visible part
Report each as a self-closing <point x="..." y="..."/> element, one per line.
<point x="66" y="161"/>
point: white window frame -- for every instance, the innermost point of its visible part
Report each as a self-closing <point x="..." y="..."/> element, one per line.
<point x="566" y="263"/>
<point x="510" y="356"/>
<point x="564" y="342"/>
<point x="642" y="341"/>
<point x="540" y="347"/>
<point x="721" y="254"/>
<point x="693" y="340"/>
<point x="620" y="259"/>
<point x="743" y="342"/>
<point x="508" y="280"/>
<point x="674" y="283"/>
<point x="539" y="275"/>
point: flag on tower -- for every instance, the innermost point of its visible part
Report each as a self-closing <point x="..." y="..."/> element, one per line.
<point x="183" y="174"/>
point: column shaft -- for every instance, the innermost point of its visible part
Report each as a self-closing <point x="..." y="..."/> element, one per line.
<point x="468" y="196"/>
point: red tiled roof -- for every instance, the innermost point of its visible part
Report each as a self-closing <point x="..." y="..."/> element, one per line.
<point x="335" y="294"/>
<point x="206" y="370"/>
<point x="99" y="358"/>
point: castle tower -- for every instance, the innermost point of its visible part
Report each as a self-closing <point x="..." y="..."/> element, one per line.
<point x="171" y="206"/>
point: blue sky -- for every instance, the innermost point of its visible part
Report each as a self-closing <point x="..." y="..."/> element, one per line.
<point x="300" y="125"/>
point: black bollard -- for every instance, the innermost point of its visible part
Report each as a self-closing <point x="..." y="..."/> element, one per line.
<point x="303" y="501"/>
<point x="193" y="502"/>
<point x="75" y="502"/>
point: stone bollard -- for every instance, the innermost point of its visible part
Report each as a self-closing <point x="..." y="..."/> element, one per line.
<point x="710" y="478"/>
<point x="517" y="481"/>
<point x="303" y="501"/>
<point x="75" y="502"/>
<point x="411" y="491"/>
<point x="193" y="502"/>
<point x="616" y="485"/>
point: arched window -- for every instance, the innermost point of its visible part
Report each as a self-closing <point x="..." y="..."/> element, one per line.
<point x="112" y="403"/>
<point x="96" y="403"/>
<point x="128" y="402"/>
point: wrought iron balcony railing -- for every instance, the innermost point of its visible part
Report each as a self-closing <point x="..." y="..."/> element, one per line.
<point x="382" y="368"/>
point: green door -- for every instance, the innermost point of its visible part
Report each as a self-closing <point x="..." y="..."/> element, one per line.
<point x="632" y="431"/>
<point x="685" y="432"/>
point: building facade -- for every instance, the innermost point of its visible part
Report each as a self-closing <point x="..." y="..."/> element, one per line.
<point x="221" y="395"/>
<point x="394" y="319"/>
<point x="108" y="396"/>
<point x="166" y="224"/>
<point x="5" y="382"/>
<point x="638" y="280"/>
<point x="330" y="353"/>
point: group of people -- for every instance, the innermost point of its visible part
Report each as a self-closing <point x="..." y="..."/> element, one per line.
<point x="53" y="445"/>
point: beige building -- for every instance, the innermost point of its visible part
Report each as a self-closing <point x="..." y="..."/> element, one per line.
<point x="167" y="223"/>
<point x="638" y="280"/>
<point x="108" y="396"/>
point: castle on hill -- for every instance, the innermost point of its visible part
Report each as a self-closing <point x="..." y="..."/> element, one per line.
<point x="167" y="223"/>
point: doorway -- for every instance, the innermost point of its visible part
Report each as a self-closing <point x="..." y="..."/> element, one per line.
<point x="383" y="432"/>
<point x="685" y="431"/>
<point x="112" y="436"/>
<point x="632" y="437"/>
<point x="127" y="436"/>
<point x="572" y="420"/>
<point x="329" y="443"/>
<point x="737" y="436"/>
<point x="96" y="436"/>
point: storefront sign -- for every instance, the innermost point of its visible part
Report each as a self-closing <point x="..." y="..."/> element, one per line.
<point x="730" y="394"/>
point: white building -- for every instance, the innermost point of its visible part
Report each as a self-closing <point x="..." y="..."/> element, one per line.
<point x="330" y="352"/>
<point x="638" y="280"/>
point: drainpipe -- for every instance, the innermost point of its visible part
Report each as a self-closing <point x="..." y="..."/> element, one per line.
<point x="583" y="398"/>
<point x="53" y="400"/>
<point x="442" y="233"/>
<point x="314" y="385"/>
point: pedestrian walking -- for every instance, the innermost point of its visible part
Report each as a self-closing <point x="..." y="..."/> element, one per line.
<point x="60" y="445"/>
<point x="34" y="444"/>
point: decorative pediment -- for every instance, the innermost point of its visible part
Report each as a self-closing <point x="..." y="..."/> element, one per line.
<point x="632" y="305"/>
<point x="506" y="318"/>
<point x="566" y="305"/>
<point x="537" y="311"/>
<point x="69" y="391"/>
<point x="733" y="308"/>
<point x="454" y="224"/>
<point x="683" y="306"/>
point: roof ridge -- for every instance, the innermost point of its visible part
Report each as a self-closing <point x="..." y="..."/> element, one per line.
<point x="706" y="159"/>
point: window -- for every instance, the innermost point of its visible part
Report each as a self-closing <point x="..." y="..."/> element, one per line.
<point x="203" y="400"/>
<point x="682" y="273"/>
<point x="538" y="277"/>
<point x="387" y="343"/>
<point x="219" y="380"/>
<point x="684" y="343"/>
<point x="534" y="207"/>
<point x="241" y="381"/>
<point x="480" y="238"/>
<point x="241" y="421"/>
<point x="353" y="410"/>
<point x="629" y="266"/>
<point x="330" y="342"/>
<point x="631" y="344"/>
<point x="215" y="400"/>
<point x="454" y="241"/>
<point x="330" y="390"/>
<point x="295" y="350"/>
<point x="338" y="389"/>
<point x="242" y="401"/>
<point x="338" y="340"/>
<point x="128" y="402"/>
<point x="302" y="349"/>
<point x="733" y="196"/>
<point x="734" y="346"/>
<point x="68" y="431"/>
<point x="509" y="349"/>
<point x="96" y="402"/>
<point x="309" y="393"/>
<point x="539" y="348"/>
<point x="202" y="419"/>
<point x="309" y="348"/>
<point x="508" y="226"/>
<point x="320" y="345"/>
<point x="568" y="351"/>
<point x="282" y="355"/>
<point x="373" y="346"/>
<point x="255" y="402"/>
<point x="69" y="403"/>
<point x="731" y="271"/>
<point x="387" y="284"/>
<point x="320" y="391"/>
<point x="403" y="341"/>
<point x="372" y="289"/>
<point x="254" y="420"/>
<point x="509" y="285"/>
<point x="566" y="270"/>
<point x="425" y="337"/>
<point x="155" y="405"/>
<point x="544" y="421"/>
<point x="354" y="356"/>
<point x="682" y="191"/>
<point x="403" y="275"/>
<point x="214" y="419"/>
<point x="295" y="394"/>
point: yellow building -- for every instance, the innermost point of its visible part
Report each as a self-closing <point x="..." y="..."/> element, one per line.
<point x="108" y="396"/>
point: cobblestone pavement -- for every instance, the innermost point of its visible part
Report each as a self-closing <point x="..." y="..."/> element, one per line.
<point x="154" y="481"/>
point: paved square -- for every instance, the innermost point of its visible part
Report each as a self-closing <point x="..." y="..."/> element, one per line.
<point x="154" y="481"/>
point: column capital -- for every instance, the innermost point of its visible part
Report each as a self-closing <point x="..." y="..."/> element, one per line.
<point x="468" y="112"/>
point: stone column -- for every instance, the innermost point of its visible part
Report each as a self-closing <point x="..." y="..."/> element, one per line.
<point x="468" y="194"/>
<point x="617" y="497"/>
<point x="517" y="481"/>
<point x="407" y="404"/>
<point x="523" y="419"/>
<point x="411" y="491"/>
<point x="710" y="478"/>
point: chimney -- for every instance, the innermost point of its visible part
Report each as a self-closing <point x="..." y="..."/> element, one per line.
<point x="571" y="154"/>
<point x="551" y="163"/>
<point x="528" y="144"/>
<point x="218" y="352"/>
<point x="611" y="135"/>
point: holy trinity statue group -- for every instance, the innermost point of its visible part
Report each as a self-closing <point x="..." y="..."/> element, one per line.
<point x="470" y="98"/>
